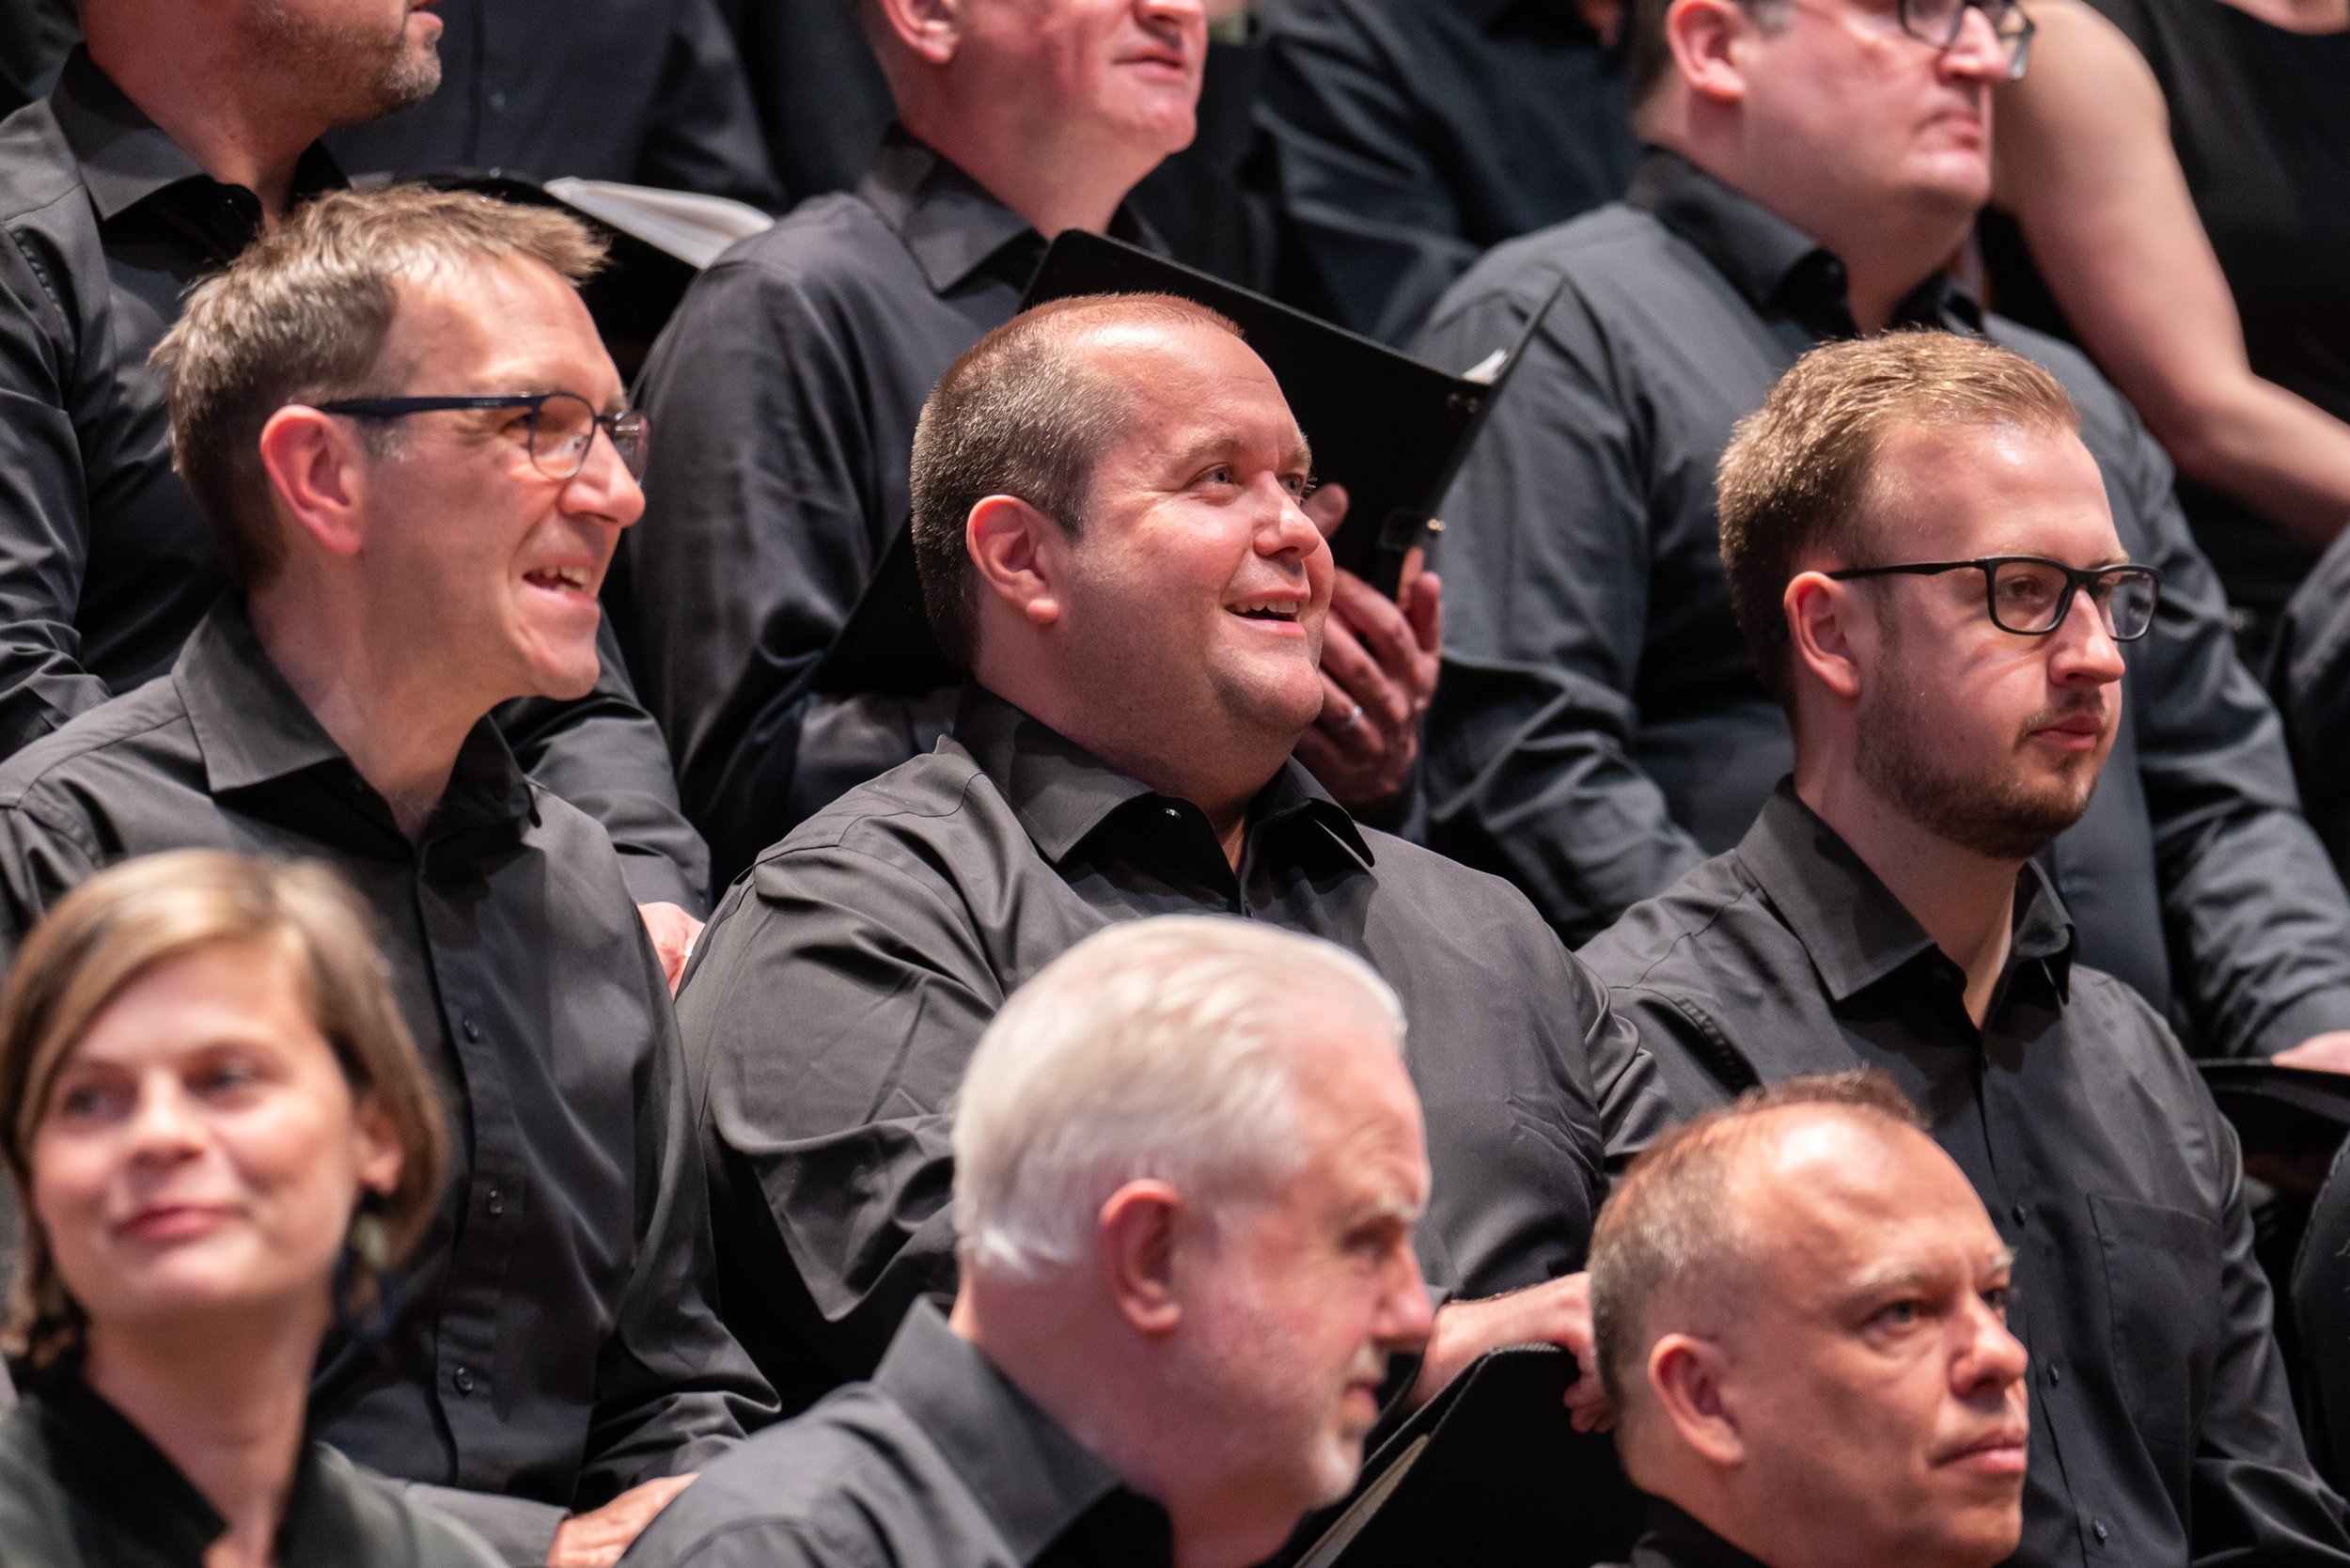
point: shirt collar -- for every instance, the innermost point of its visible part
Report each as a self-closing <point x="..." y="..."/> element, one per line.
<point x="1773" y="264"/>
<point x="100" y="1456"/>
<point x="1676" y="1538"/>
<point x="253" y="729"/>
<point x="1023" y="1466"/>
<point x="1062" y="792"/>
<point x="951" y="225"/>
<point x="1854" y="929"/>
<point x="125" y="158"/>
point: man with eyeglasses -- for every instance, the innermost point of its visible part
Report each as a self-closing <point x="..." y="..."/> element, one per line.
<point x="415" y="507"/>
<point x="178" y="131"/>
<point x="1599" y="729"/>
<point x="1923" y="559"/>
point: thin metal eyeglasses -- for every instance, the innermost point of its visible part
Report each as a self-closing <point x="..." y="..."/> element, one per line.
<point x="1938" y="23"/>
<point x="2030" y="595"/>
<point x="562" y="425"/>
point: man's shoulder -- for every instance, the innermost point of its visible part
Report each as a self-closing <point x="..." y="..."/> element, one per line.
<point x="1420" y="884"/>
<point x="830" y="244"/>
<point x="1590" y="249"/>
<point x="829" y="1486"/>
<point x="1689" y="944"/>
<point x="143" y="735"/>
<point x="936" y="823"/>
<point x="2103" y="408"/>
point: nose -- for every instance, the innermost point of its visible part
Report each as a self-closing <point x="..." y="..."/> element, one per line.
<point x="163" y="1127"/>
<point x="1287" y="530"/>
<point x="1991" y="1358"/>
<point x="1977" y="53"/>
<point x="1405" y="1318"/>
<point x="2085" y="651"/>
<point x="603" y="490"/>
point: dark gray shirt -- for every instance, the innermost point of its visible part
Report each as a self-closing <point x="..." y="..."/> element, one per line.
<point x="786" y="391"/>
<point x="1414" y="135"/>
<point x="81" y="1487"/>
<point x="2162" y="1428"/>
<point x="553" y="1341"/>
<point x="1674" y="1540"/>
<point x="1600" y="727"/>
<point x="105" y="560"/>
<point x="647" y="91"/>
<point x="939" y="1462"/>
<point x="843" y="984"/>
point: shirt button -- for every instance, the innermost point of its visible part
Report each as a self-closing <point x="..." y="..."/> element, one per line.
<point x="2097" y="1527"/>
<point x="1173" y="812"/>
<point x="464" y="1379"/>
<point x="497" y="101"/>
<point x="2056" y="1374"/>
<point x="2023" y="1215"/>
<point x="496" y="1203"/>
<point x="472" y="1030"/>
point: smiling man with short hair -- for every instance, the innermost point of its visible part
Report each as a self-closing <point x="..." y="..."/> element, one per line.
<point x="418" y="458"/>
<point x="1107" y="526"/>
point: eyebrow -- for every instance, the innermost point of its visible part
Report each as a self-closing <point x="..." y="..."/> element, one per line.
<point x="1300" y="456"/>
<point x="1900" y="1275"/>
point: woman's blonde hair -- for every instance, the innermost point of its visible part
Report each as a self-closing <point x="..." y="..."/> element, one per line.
<point x="124" y="923"/>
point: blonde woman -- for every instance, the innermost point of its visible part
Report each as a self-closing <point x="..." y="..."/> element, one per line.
<point x="222" y="1138"/>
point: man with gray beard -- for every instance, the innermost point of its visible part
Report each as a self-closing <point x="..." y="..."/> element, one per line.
<point x="176" y="132"/>
<point x="1923" y="560"/>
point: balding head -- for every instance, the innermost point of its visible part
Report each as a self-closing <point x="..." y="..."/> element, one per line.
<point x="1799" y="1307"/>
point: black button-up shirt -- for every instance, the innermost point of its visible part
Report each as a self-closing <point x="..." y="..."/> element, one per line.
<point x="81" y="1487"/>
<point x="939" y="1462"/>
<point x="786" y="391"/>
<point x="647" y="91"/>
<point x="843" y="984"/>
<point x="2162" y="1428"/>
<point x="554" y="1343"/>
<point x="1600" y="727"/>
<point x="105" y="560"/>
<point x="1415" y="134"/>
<point x="35" y="36"/>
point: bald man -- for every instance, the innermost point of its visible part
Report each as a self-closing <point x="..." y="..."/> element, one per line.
<point x="1801" y="1311"/>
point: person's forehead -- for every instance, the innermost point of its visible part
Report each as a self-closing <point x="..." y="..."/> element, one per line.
<point x="496" y="321"/>
<point x="1837" y="1200"/>
<point x="1188" y="384"/>
<point x="1995" y="489"/>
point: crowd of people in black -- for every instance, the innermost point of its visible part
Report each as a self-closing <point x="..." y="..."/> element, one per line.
<point x="504" y="1058"/>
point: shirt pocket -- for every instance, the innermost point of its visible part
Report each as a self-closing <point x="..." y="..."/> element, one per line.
<point x="2162" y="1295"/>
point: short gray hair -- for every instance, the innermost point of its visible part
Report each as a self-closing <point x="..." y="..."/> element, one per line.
<point x="1159" y="1048"/>
<point x="1671" y="1232"/>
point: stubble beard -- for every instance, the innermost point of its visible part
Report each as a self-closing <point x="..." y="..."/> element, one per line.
<point x="355" y="73"/>
<point x="1993" y="810"/>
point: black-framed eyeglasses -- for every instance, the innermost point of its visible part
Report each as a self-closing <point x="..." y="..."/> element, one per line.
<point x="562" y="425"/>
<point x="1938" y="23"/>
<point x="2030" y="595"/>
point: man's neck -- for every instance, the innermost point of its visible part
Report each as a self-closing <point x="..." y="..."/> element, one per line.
<point x="225" y="1403"/>
<point x="1965" y="901"/>
<point x="400" y="724"/>
<point x="1886" y="249"/>
<point x="1053" y="181"/>
<point x="192" y="77"/>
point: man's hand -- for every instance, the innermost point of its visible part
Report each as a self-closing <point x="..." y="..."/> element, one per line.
<point x="673" y="932"/>
<point x="1555" y="1313"/>
<point x="1379" y="663"/>
<point x="2329" y="1053"/>
<point x="597" y="1539"/>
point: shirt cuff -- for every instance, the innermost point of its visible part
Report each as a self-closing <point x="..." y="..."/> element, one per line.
<point x="2314" y="1014"/>
<point x="519" y="1530"/>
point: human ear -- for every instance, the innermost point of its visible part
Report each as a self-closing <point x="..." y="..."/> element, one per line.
<point x="1014" y="548"/>
<point x="1707" y="40"/>
<point x="1685" y="1373"/>
<point x="929" y="28"/>
<point x="1819" y="612"/>
<point x="317" y="472"/>
<point x="1139" y="1228"/>
<point x="377" y="1141"/>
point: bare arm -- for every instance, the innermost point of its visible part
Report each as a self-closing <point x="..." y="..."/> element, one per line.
<point x="2084" y="161"/>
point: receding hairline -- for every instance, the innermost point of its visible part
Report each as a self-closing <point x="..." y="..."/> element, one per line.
<point x="1097" y="333"/>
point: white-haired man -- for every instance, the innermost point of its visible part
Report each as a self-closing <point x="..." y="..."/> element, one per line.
<point x="1190" y="1163"/>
